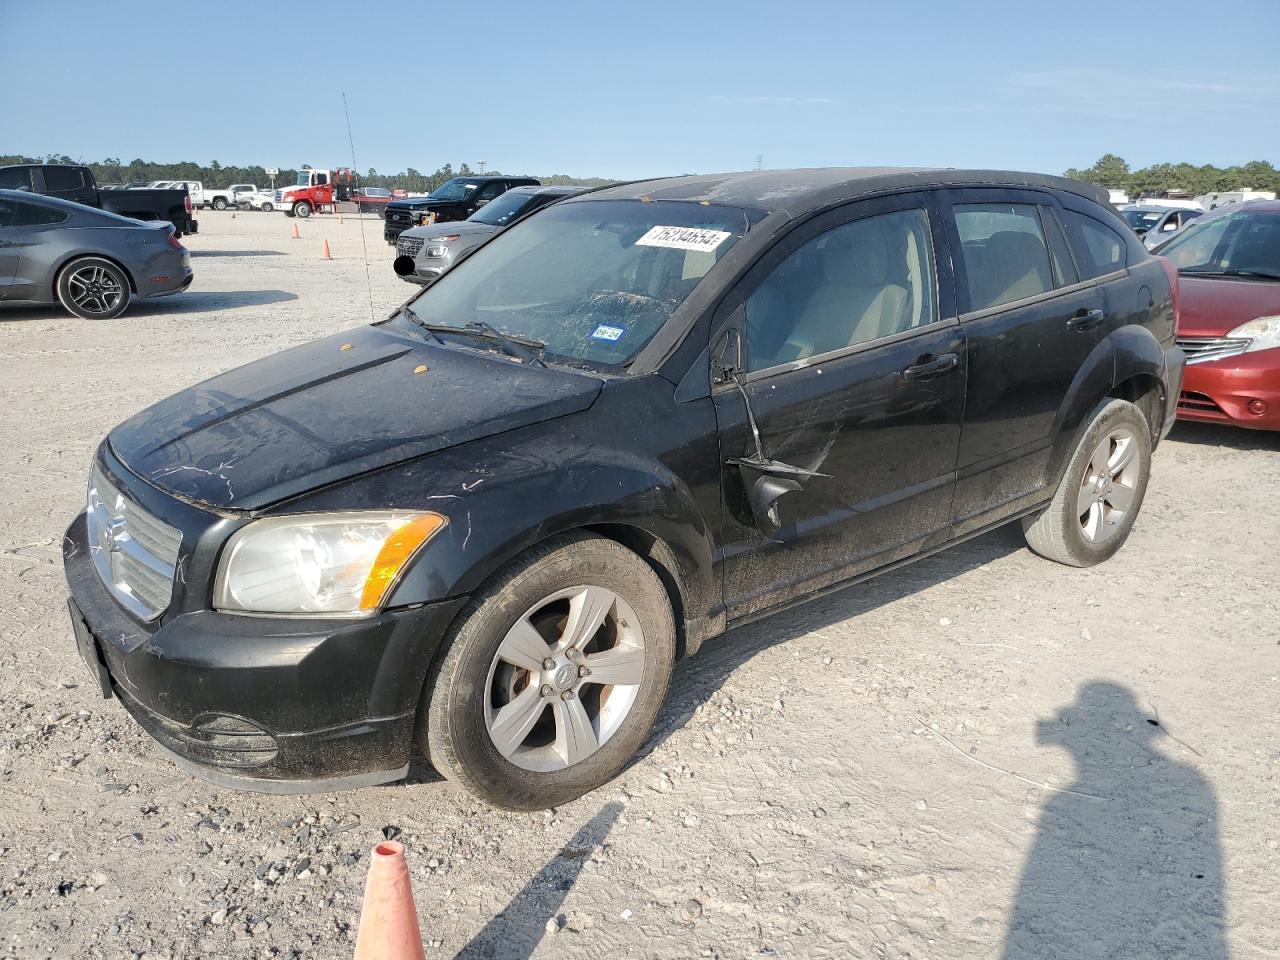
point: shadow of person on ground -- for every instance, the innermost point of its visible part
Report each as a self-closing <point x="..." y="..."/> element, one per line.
<point x="698" y="677"/>
<point x="515" y="932"/>
<point x="1126" y="862"/>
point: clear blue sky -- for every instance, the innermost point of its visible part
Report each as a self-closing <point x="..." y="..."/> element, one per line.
<point x="630" y="89"/>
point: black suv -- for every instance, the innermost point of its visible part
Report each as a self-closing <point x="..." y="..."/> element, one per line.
<point x="487" y="526"/>
<point x="454" y="199"/>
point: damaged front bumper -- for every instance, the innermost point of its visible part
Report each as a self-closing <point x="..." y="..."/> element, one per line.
<point x="271" y="704"/>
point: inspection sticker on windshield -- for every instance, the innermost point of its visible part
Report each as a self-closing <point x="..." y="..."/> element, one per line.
<point x="684" y="238"/>
<point x="611" y="334"/>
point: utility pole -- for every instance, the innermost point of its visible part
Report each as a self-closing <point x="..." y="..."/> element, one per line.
<point x="759" y="161"/>
<point x="481" y="165"/>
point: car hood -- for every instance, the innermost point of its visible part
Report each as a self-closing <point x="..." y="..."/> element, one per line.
<point x="1212" y="306"/>
<point x="332" y="409"/>
<point x="460" y="228"/>
<point x="417" y="203"/>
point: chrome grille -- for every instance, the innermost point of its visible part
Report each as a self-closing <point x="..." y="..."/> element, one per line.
<point x="134" y="552"/>
<point x="279" y="196"/>
<point x="408" y="246"/>
<point x="1200" y="349"/>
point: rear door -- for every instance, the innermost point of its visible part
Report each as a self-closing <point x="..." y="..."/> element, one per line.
<point x="1030" y="322"/>
<point x="853" y="368"/>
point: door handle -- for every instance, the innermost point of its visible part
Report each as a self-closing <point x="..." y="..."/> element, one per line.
<point x="928" y="369"/>
<point x="1086" y="319"/>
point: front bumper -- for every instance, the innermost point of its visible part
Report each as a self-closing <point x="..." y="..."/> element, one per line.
<point x="273" y="704"/>
<point x="1221" y="391"/>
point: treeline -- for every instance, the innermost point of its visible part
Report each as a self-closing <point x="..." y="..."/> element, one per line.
<point x="1158" y="179"/>
<point x="112" y="171"/>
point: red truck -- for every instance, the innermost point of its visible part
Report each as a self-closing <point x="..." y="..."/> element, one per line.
<point x="320" y="191"/>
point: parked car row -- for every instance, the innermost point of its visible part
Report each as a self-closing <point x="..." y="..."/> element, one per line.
<point x="77" y="184"/>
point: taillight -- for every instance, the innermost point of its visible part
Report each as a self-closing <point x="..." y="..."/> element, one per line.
<point x="1172" y="273"/>
<point x="173" y="242"/>
<point x="187" y="198"/>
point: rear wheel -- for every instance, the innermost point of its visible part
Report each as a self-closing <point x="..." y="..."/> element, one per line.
<point x="93" y="288"/>
<point x="302" y="209"/>
<point x="553" y="677"/>
<point x="267" y="207"/>
<point x="1098" y="500"/>
<point x="219" y="203"/>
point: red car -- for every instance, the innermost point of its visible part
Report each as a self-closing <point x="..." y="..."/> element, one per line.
<point x="1229" y="314"/>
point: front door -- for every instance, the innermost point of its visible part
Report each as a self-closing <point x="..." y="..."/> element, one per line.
<point x="10" y="246"/>
<point x="1029" y="324"/>
<point x="852" y="364"/>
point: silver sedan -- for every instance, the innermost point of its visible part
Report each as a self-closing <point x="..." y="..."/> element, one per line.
<point x="88" y="260"/>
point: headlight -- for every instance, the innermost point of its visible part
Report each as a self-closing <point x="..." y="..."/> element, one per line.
<point x="1263" y="333"/>
<point x="320" y="564"/>
<point x="435" y="253"/>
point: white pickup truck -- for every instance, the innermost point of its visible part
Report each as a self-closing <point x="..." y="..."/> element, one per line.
<point x="217" y="199"/>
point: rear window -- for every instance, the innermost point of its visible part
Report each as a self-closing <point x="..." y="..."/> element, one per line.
<point x="1102" y="250"/>
<point x="1004" y="252"/>
<point x="36" y="215"/>
<point x="63" y="178"/>
<point x="16" y="179"/>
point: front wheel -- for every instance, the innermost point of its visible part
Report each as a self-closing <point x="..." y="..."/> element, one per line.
<point x="93" y="288"/>
<point x="1097" y="502"/>
<point x="302" y="209"/>
<point x="267" y="207"/>
<point x="553" y="677"/>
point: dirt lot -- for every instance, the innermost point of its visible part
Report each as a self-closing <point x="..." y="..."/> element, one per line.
<point x="981" y="755"/>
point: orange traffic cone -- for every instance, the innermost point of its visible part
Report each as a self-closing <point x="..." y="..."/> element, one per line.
<point x="296" y="234"/>
<point x="388" y="920"/>
<point x="324" y="251"/>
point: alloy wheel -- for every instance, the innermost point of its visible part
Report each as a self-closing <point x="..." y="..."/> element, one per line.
<point x="564" y="678"/>
<point x="95" y="289"/>
<point x="1107" y="488"/>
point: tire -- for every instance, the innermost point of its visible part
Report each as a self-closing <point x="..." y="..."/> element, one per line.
<point x="219" y="203"/>
<point x="302" y="209"/>
<point x="93" y="288"/>
<point x="268" y="206"/>
<point x="471" y="681"/>
<point x="1096" y="504"/>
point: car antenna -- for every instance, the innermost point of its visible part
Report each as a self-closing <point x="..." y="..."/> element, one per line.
<point x="368" y="282"/>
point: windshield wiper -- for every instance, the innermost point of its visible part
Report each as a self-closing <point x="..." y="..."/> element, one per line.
<point x="524" y="349"/>
<point x="1263" y="274"/>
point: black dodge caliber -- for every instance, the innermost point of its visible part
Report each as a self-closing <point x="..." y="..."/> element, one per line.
<point x="487" y="526"/>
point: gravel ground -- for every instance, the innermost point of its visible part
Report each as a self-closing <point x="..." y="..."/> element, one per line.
<point x="981" y="755"/>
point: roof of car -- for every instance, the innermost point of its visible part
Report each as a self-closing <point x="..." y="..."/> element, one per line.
<point x="796" y="191"/>
<point x="534" y="189"/>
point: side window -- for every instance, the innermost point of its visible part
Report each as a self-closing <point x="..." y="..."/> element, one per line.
<point x="7" y="210"/>
<point x="491" y="190"/>
<point x="35" y="215"/>
<point x="321" y="179"/>
<point x="1104" y="249"/>
<point x="16" y="179"/>
<point x="63" y="179"/>
<point x="857" y="282"/>
<point x="1004" y="253"/>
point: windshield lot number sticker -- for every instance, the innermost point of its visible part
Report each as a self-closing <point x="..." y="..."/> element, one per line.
<point x="611" y="334"/>
<point x="684" y="238"/>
